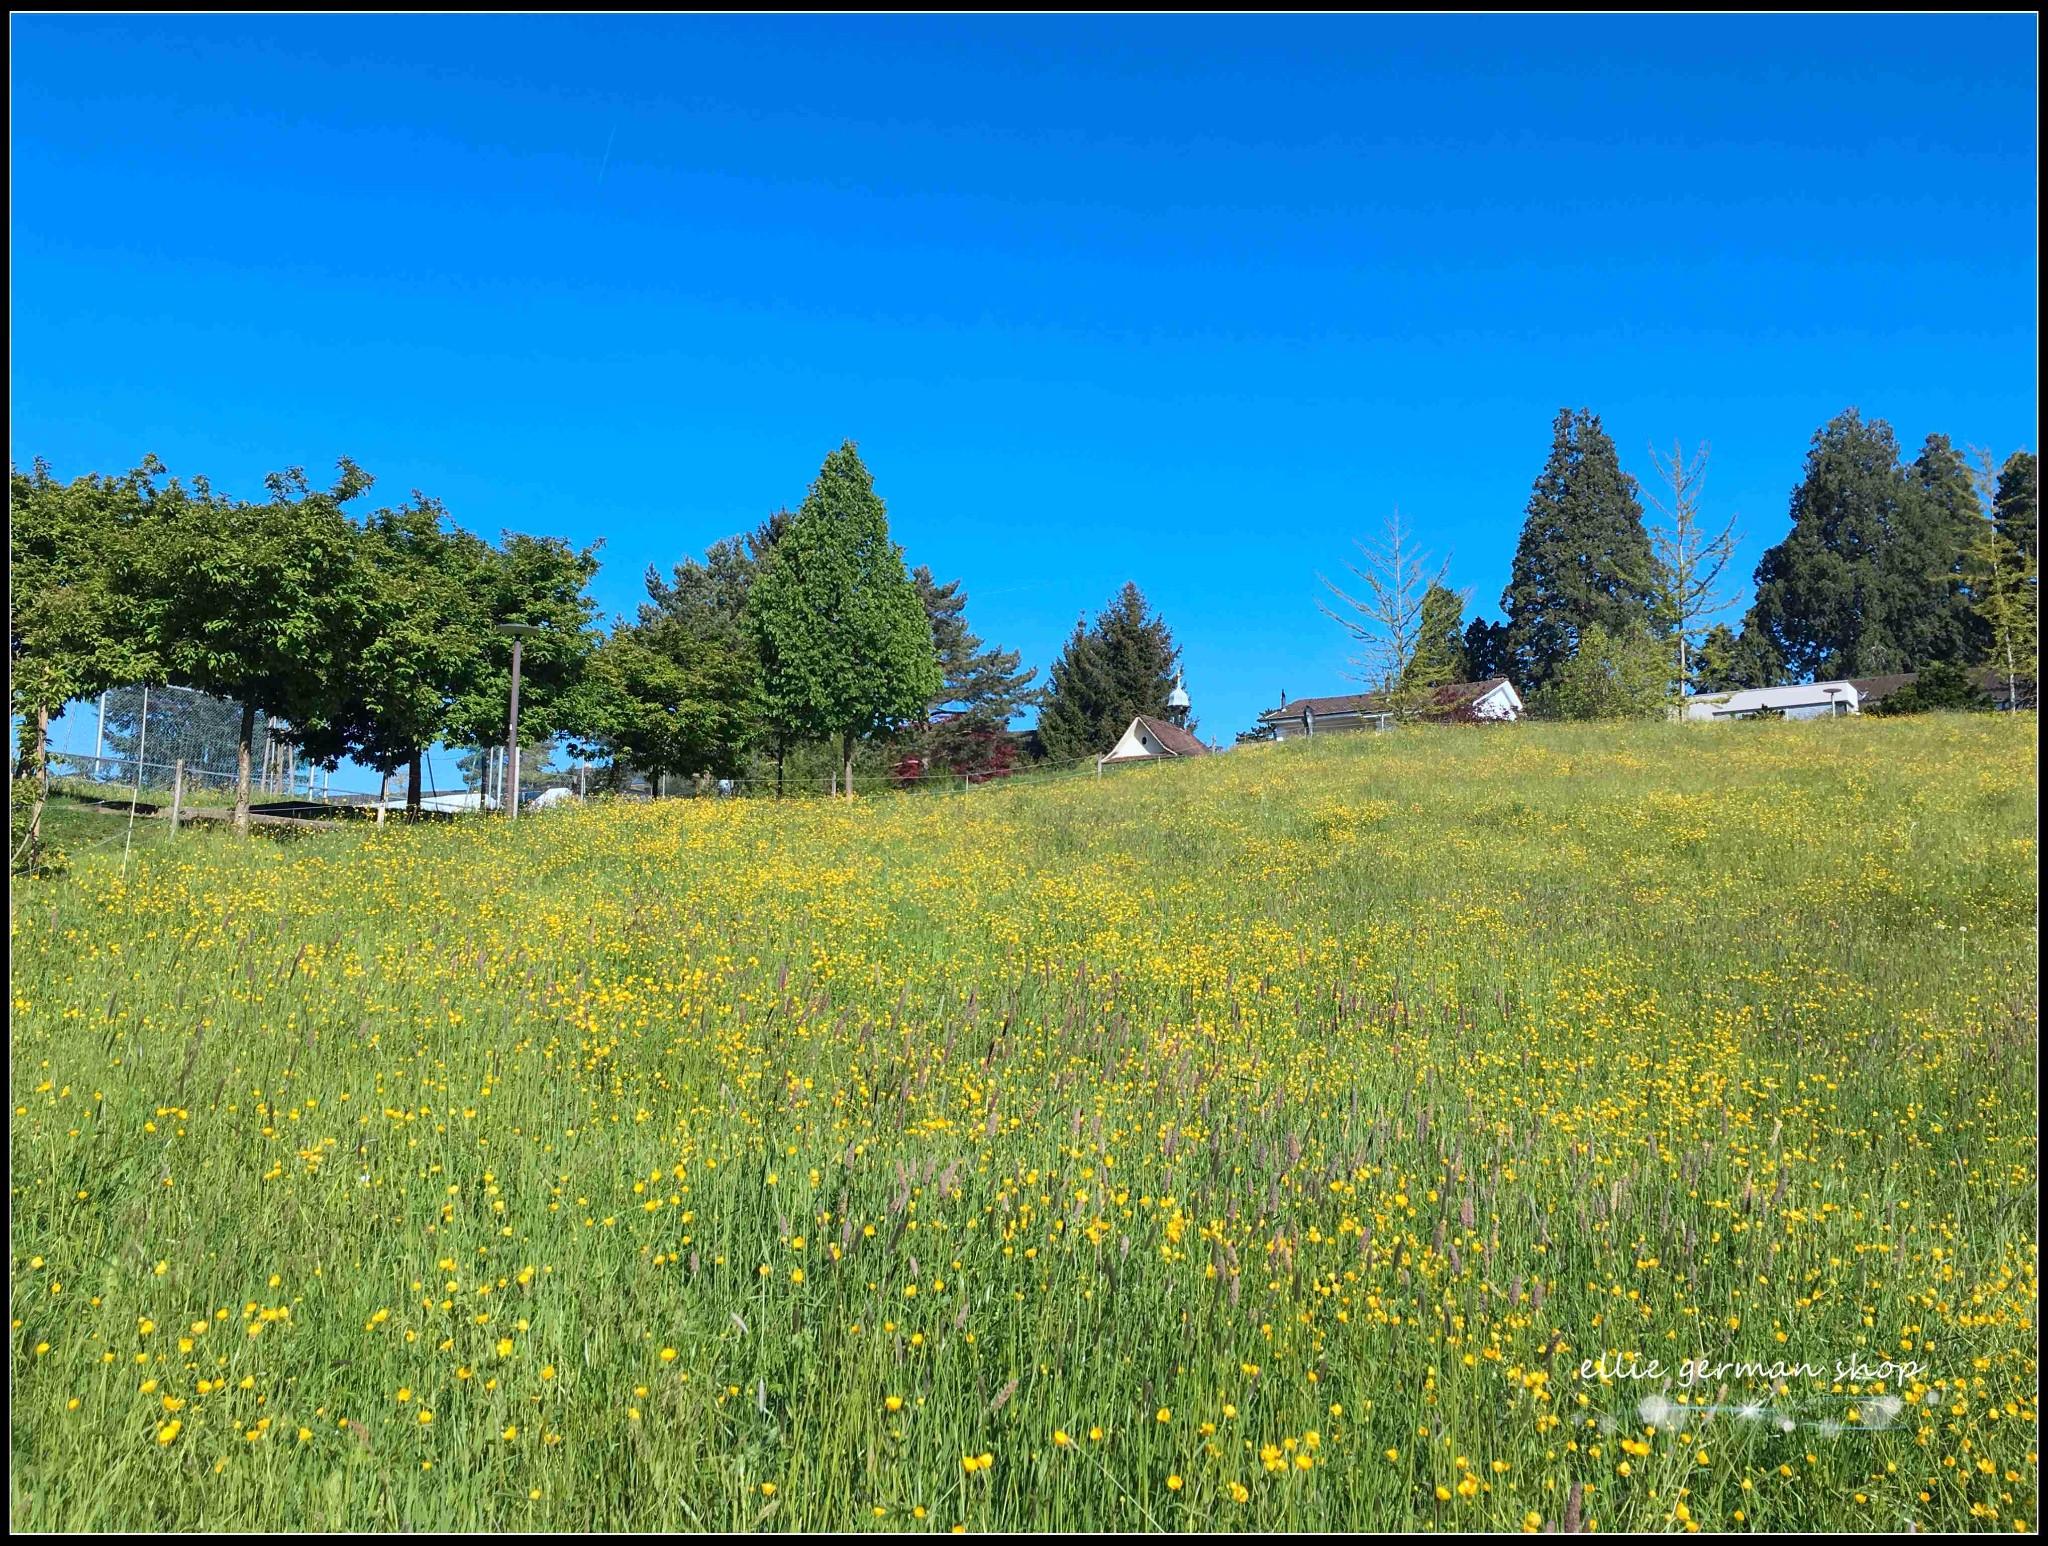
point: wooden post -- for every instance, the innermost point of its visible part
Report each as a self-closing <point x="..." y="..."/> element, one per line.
<point x="177" y="793"/>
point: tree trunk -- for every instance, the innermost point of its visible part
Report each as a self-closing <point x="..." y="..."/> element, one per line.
<point x="412" y="783"/>
<point x="243" y="748"/>
<point x="847" y="743"/>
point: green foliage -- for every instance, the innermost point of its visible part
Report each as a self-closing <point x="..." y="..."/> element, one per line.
<point x="1939" y="686"/>
<point x="1584" y="557"/>
<point x="73" y="553"/>
<point x="2005" y="589"/>
<point x="672" y="700"/>
<point x="982" y="688"/>
<point x="844" y="643"/>
<point x="1624" y="675"/>
<point x="1440" y="647"/>
<point x="1727" y="661"/>
<point x="1107" y="676"/>
<point x="1488" y="653"/>
<point x="1869" y="580"/>
<point x="542" y="581"/>
<point x="2016" y="505"/>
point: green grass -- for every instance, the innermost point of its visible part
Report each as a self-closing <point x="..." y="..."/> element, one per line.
<point x="1331" y="1103"/>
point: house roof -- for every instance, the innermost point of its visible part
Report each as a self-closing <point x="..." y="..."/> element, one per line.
<point x="1869" y="689"/>
<point x="1172" y="737"/>
<point x="1452" y="697"/>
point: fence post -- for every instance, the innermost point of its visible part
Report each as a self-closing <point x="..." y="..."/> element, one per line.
<point x="177" y="793"/>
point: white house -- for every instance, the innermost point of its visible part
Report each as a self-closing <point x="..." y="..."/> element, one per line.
<point x="1809" y="700"/>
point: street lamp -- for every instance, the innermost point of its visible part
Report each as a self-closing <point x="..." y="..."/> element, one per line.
<point x="518" y="633"/>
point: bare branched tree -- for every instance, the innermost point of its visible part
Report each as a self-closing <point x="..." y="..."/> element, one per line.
<point x="1689" y="561"/>
<point x="1385" y="618"/>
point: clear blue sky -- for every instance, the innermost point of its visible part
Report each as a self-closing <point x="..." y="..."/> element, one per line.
<point x="1190" y="302"/>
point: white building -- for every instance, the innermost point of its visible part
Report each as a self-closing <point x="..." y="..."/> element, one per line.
<point x="1152" y="740"/>
<point x="1809" y="700"/>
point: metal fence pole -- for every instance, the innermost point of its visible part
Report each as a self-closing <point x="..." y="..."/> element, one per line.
<point x="177" y="793"/>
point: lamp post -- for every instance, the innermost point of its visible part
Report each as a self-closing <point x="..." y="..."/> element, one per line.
<point x="518" y="633"/>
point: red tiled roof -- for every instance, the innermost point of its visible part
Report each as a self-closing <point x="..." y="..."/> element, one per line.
<point x="1172" y="737"/>
<point x="1171" y="740"/>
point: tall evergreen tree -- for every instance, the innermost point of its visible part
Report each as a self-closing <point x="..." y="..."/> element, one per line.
<point x="1107" y="676"/>
<point x="1869" y="579"/>
<point x="1926" y="559"/>
<point x="1584" y="556"/>
<point x="2016" y="508"/>
<point x="845" y="646"/>
<point x="1487" y="654"/>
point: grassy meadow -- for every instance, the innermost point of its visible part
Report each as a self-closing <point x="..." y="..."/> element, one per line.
<point x="1269" y="1142"/>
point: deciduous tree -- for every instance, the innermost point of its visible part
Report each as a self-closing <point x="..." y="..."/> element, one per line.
<point x="844" y="643"/>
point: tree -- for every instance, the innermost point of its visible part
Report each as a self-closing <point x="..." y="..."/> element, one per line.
<point x="1623" y="675"/>
<point x="1926" y="560"/>
<point x="981" y="688"/>
<point x="844" y="643"/>
<point x="2002" y="574"/>
<point x="1387" y="617"/>
<point x="1583" y="557"/>
<point x="671" y="700"/>
<point x="262" y="604"/>
<point x="1941" y="686"/>
<point x="1728" y="662"/>
<point x="1487" y="652"/>
<point x="1439" y="656"/>
<point x="2015" y="503"/>
<point x="73" y="628"/>
<point x="427" y="644"/>
<point x="1689" y="561"/>
<point x="541" y="581"/>
<point x="708" y="597"/>
<point x="1106" y="677"/>
<point x="1070" y="726"/>
<point x="1869" y="579"/>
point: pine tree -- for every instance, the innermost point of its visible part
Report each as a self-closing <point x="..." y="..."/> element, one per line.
<point x="844" y="642"/>
<point x="1583" y="558"/>
<point x="981" y="688"/>
<point x="1107" y="676"/>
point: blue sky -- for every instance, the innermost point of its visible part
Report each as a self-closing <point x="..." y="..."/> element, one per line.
<point x="1186" y="301"/>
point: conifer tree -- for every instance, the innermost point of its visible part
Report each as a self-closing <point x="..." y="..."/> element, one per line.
<point x="1107" y="676"/>
<point x="2015" y="505"/>
<point x="1870" y="579"/>
<point x="1583" y="558"/>
<point x="981" y="689"/>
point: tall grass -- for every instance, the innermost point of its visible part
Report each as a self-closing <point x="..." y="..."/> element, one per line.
<point x="1267" y="1142"/>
